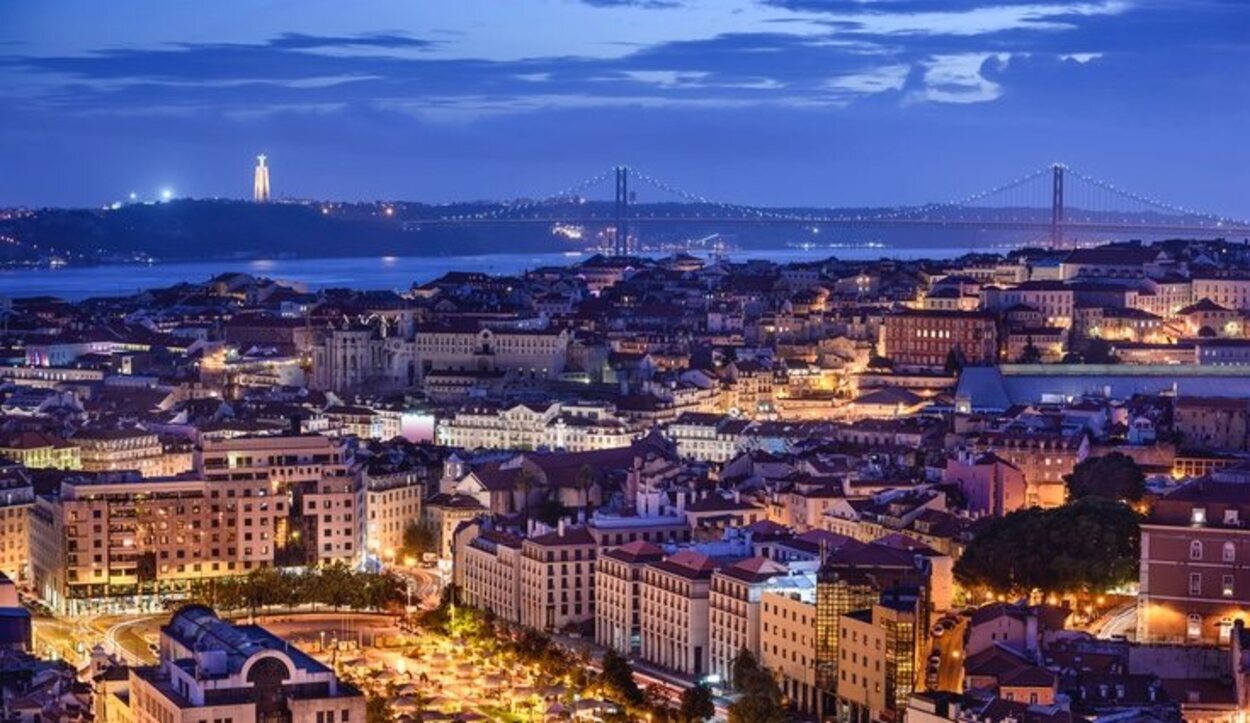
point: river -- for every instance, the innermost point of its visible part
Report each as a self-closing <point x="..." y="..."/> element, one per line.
<point x="75" y="283"/>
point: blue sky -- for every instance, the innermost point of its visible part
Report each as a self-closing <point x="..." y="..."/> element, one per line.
<point x="831" y="102"/>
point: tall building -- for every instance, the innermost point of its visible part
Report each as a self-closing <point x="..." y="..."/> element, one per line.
<point x="323" y="517"/>
<point x="116" y="540"/>
<point x="260" y="186"/>
<point x="880" y="655"/>
<point x="17" y="498"/>
<point x="851" y="580"/>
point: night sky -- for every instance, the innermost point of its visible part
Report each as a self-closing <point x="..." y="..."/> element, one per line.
<point x="831" y="102"/>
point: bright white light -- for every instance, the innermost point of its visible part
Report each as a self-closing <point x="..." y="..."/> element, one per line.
<point x="166" y="194"/>
<point x="133" y="195"/>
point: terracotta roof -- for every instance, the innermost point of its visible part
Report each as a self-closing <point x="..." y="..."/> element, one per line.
<point x="637" y="551"/>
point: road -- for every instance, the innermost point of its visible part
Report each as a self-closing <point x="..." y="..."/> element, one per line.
<point x="426" y="583"/>
<point x="950" y="646"/>
<point x="1119" y="622"/>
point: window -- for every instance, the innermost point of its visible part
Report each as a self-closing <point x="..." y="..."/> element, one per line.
<point x="1199" y="516"/>
<point x="1230" y="552"/>
<point x="1195" y="583"/>
<point x="1195" y="550"/>
<point x="1193" y="627"/>
<point x="1227" y="585"/>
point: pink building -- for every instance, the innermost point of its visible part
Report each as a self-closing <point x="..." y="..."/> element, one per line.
<point x="991" y="484"/>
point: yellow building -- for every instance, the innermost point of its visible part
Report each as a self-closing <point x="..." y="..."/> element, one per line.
<point x="39" y="450"/>
<point x="879" y="657"/>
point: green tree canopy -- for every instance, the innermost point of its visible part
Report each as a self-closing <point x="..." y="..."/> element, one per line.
<point x="697" y="704"/>
<point x="1089" y="545"/>
<point x="418" y="540"/>
<point x="1114" y="476"/>
<point x="1100" y="351"/>
<point x="618" y="678"/>
<point x="1030" y="354"/>
<point x="759" y="699"/>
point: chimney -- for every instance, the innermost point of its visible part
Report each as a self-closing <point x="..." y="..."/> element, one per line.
<point x="560" y="527"/>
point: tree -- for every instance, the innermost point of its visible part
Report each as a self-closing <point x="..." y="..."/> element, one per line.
<point x="696" y="703"/>
<point x="760" y="699"/>
<point x="550" y="512"/>
<point x="657" y="702"/>
<point x="1030" y="354"/>
<point x="744" y="671"/>
<point x="618" y="678"/>
<point x="1089" y="545"/>
<point x="587" y="477"/>
<point x="955" y="361"/>
<point x="1115" y="476"/>
<point x="378" y="709"/>
<point x="1100" y="351"/>
<point x="525" y="482"/>
<point x="418" y="540"/>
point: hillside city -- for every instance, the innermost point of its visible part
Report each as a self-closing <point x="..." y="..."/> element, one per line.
<point x="996" y="488"/>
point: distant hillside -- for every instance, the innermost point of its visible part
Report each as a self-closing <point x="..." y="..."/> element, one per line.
<point x="186" y="229"/>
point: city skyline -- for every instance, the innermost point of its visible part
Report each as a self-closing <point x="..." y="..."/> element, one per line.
<point x="842" y="103"/>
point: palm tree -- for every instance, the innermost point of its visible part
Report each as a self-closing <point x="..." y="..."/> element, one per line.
<point x="586" y="478"/>
<point x="525" y="482"/>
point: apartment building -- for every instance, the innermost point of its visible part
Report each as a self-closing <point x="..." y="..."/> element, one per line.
<point x="880" y="656"/>
<point x="852" y="579"/>
<point x="1044" y="458"/>
<point x="334" y="519"/>
<point x="618" y="595"/>
<point x="214" y="670"/>
<point x="392" y="502"/>
<point x="574" y="427"/>
<point x="40" y="450"/>
<point x="119" y="541"/>
<point x="115" y="450"/>
<point x="734" y="611"/>
<point x="1214" y="423"/>
<point x="1230" y="290"/>
<point x="707" y="437"/>
<point x="488" y="570"/>
<point x="17" y="498"/>
<point x="558" y="578"/>
<point x="921" y="339"/>
<point x="324" y="499"/>
<point x="674" y="606"/>
<point x="1195" y="543"/>
<point x="1053" y="299"/>
<point x="788" y="638"/>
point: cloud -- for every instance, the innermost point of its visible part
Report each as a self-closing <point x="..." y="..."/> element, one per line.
<point x="873" y="80"/>
<point x="1080" y="58"/>
<point x="802" y="53"/>
<point x="961" y="78"/>
<point x="648" y="4"/>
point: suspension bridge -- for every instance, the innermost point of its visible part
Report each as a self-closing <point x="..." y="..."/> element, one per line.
<point x="1055" y="202"/>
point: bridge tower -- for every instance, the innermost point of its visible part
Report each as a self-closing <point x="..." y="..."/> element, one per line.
<point x="620" y="234"/>
<point x="1056" y="206"/>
